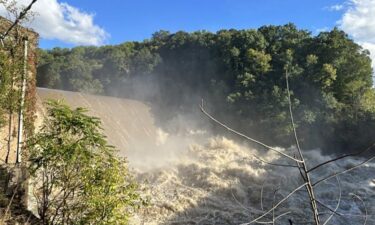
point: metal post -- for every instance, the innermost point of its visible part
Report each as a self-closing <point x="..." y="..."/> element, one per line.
<point x="22" y="103"/>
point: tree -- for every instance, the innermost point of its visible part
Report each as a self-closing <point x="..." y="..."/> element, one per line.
<point x="299" y="160"/>
<point x="241" y="73"/>
<point x="78" y="177"/>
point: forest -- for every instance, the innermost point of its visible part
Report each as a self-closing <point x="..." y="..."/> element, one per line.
<point x="241" y="74"/>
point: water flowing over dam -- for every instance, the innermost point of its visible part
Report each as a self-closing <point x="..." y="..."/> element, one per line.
<point x="194" y="177"/>
<point x="127" y="123"/>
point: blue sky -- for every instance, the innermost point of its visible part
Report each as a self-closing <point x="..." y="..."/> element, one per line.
<point x="128" y="20"/>
<point x="71" y="23"/>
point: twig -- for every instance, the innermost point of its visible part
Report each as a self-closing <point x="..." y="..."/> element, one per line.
<point x="341" y="157"/>
<point x="277" y="205"/>
<point x="305" y="174"/>
<point x="364" y="206"/>
<point x="261" y="196"/>
<point x="276" y="218"/>
<point x="291" y="117"/>
<point x="18" y="19"/>
<point x="244" y="136"/>
<point x="273" y="205"/>
<point x="345" y="171"/>
<point x="238" y="202"/>
<point x="300" y="172"/>
<point x="338" y="202"/>
<point x="9" y="204"/>
<point x="273" y="164"/>
<point x="331" y="210"/>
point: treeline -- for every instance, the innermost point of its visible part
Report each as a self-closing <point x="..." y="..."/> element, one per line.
<point x="241" y="74"/>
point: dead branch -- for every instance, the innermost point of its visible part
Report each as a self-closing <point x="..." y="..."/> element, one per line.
<point x="364" y="206"/>
<point x="18" y="19"/>
<point x="345" y="171"/>
<point x="244" y="136"/>
<point x="272" y="164"/>
<point x="338" y="202"/>
<point x="238" y="202"/>
<point x="302" y="165"/>
<point x="341" y="157"/>
<point x="277" y="205"/>
<point x="261" y="196"/>
<point x="327" y="207"/>
<point x="273" y="205"/>
<point x="276" y="218"/>
<point x="291" y="117"/>
<point x="9" y="204"/>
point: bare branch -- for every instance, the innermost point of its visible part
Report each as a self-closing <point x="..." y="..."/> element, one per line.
<point x="277" y="205"/>
<point x="364" y="206"/>
<point x="18" y="19"/>
<point x="273" y="164"/>
<point x="9" y="204"/>
<point x="338" y="202"/>
<point x="305" y="176"/>
<point x="281" y="215"/>
<point x="238" y="202"/>
<point x="341" y="157"/>
<point x="325" y="206"/>
<point x="261" y="196"/>
<point x="273" y="205"/>
<point x="345" y="171"/>
<point x="300" y="172"/>
<point x="246" y="137"/>
<point x="276" y="218"/>
<point x="291" y="116"/>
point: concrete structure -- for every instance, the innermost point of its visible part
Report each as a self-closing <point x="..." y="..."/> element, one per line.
<point x="9" y="133"/>
<point x="13" y="176"/>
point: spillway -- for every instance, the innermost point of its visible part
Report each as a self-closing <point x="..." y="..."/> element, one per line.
<point x="128" y="124"/>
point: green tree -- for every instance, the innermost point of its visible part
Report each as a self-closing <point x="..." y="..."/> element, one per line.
<point x="241" y="73"/>
<point x="78" y="177"/>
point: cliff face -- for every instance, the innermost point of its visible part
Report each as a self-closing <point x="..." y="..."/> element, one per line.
<point x="15" y="41"/>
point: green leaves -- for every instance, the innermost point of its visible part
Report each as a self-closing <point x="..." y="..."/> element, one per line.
<point x="327" y="76"/>
<point x="78" y="177"/>
<point x="242" y="72"/>
<point x="259" y="61"/>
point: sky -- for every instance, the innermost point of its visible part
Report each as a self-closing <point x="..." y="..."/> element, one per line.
<point x="72" y="23"/>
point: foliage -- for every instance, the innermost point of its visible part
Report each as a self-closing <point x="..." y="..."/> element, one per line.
<point x="241" y="73"/>
<point x="11" y="62"/>
<point x="78" y="178"/>
<point x="11" y="65"/>
<point x="4" y="85"/>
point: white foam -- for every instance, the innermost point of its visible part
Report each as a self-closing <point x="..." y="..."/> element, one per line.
<point x="220" y="182"/>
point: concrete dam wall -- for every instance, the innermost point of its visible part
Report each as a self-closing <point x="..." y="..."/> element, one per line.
<point x="128" y="124"/>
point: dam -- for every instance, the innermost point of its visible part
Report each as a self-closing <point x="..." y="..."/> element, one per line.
<point x="125" y="122"/>
<point x="202" y="178"/>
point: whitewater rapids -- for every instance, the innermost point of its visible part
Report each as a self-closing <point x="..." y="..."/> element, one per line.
<point x="194" y="178"/>
<point x="221" y="182"/>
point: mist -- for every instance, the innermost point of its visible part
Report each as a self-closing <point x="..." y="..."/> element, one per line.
<point x="195" y="171"/>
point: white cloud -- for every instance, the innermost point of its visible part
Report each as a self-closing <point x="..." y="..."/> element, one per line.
<point x="61" y="21"/>
<point x="337" y="7"/>
<point x="359" y="22"/>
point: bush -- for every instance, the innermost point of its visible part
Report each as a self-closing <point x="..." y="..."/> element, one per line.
<point x="78" y="177"/>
